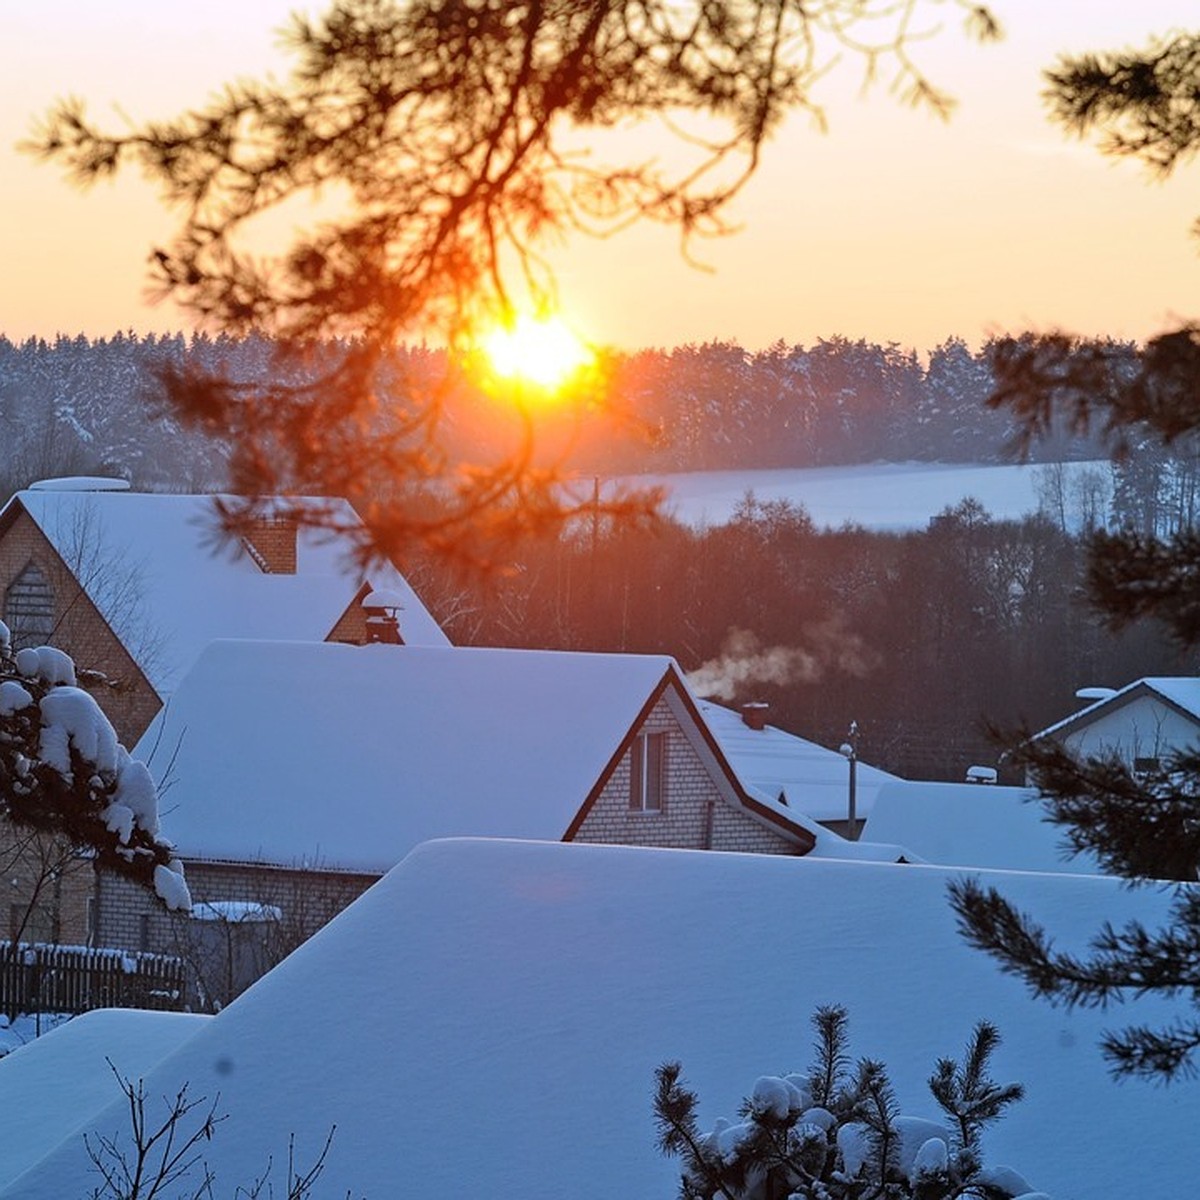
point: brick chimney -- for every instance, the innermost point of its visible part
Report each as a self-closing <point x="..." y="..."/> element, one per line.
<point x="381" y="610"/>
<point x="754" y="714"/>
<point x="271" y="542"/>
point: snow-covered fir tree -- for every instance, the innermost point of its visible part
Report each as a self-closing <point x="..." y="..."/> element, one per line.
<point x="63" y="772"/>
<point x="836" y="1132"/>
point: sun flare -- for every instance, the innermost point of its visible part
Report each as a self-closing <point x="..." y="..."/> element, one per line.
<point x="542" y="351"/>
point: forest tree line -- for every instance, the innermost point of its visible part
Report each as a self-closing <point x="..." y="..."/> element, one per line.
<point x="919" y="637"/>
<point x="94" y="405"/>
<point x="923" y="638"/>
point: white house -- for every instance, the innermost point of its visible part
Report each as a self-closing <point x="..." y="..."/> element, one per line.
<point x="1141" y="722"/>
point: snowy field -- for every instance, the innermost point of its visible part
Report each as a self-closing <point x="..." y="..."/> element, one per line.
<point x="880" y="496"/>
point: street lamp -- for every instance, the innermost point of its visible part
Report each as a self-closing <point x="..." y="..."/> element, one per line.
<point x="849" y="750"/>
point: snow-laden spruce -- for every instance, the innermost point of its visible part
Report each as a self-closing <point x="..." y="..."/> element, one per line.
<point x="836" y="1133"/>
<point x="63" y="772"/>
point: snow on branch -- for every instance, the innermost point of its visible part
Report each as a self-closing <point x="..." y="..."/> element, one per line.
<point x="63" y="771"/>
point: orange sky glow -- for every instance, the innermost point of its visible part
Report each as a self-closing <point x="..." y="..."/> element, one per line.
<point x="892" y="226"/>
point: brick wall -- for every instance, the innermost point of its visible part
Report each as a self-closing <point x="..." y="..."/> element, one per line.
<point x="351" y="626"/>
<point x="128" y="699"/>
<point x="225" y="960"/>
<point x="60" y="912"/>
<point x="271" y="542"/>
<point x="690" y="790"/>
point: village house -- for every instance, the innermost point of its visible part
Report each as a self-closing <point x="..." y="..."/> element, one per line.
<point x="294" y="775"/>
<point x="490" y="999"/>
<point x="1142" y="722"/>
<point x="133" y="586"/>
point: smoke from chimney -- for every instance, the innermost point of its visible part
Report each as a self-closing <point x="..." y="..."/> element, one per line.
<point x="744" y="662"/>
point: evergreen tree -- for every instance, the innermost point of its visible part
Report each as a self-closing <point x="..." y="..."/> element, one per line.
<point x="63" y="772"/>
<point x="1145" y="105"/>
<point x="836" y="1131"/>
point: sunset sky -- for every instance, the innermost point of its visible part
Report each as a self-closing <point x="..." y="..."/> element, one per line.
<point x="892" y="226"/>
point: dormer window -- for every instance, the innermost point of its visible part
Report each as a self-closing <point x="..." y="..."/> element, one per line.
<point x="29" y="608"/>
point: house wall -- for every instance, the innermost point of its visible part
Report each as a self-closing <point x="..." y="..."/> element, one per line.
<point x="61" y="910"/>
<point x="1142" y="728"/>
<point x="690" y="790"/>
<point x="128" y="699"/>
<point x="351" y="626"/>
<point x="224" y="959"/>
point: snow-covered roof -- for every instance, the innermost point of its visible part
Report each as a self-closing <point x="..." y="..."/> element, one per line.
<point x="972" y="825"/>
<point x="52" y="1086"/>
<point x="488" y="1020"/>
<point x="1180" y="691"/>
<point x="350" y="755"/>
<point x="814" y="780"/>
<point x="178" y="590"/>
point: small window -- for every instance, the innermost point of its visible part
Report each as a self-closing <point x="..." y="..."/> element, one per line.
<point x="647" y="773"/>
<point x="29" y="608"/>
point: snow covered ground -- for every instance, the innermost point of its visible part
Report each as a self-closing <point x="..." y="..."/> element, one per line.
<point x="53" y="1087"/>
<point x="508" y="1003"/>
<point x="881" y="496"/>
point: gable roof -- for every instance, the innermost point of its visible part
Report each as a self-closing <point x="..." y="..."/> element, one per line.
<point x="1178" y="692"/>
<point x="814" y="780"/>
<point x="349" y="756"/>
<point x="179" y="590"/>
<point x="533" y="989"/>
<point x="973" y="825"/>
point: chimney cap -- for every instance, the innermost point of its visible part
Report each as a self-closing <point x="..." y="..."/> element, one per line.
<point x="754" y="714"/>
<point x="382" y="598"/>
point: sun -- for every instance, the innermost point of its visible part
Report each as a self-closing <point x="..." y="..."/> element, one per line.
<point x="542" y="351"/>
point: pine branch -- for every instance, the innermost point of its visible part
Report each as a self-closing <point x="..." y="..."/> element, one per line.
<point x="831" y="1053"/>
<point x="1125" y="963"/>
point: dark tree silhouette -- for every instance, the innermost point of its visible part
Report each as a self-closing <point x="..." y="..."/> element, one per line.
<point x="1144" y="104"/>
<point x="443" y="138"/>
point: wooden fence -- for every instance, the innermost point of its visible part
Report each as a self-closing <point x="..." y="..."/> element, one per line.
<point x="37" y="977"/>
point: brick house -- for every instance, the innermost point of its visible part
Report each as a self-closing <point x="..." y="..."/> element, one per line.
<point x="294" y="775"/>
<point x="133" y="586"/>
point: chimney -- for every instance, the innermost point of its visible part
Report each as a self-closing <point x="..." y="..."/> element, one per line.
<point x="271" y="542"/>
<point x="754" y="714"/>
<point x="381" y="610"/>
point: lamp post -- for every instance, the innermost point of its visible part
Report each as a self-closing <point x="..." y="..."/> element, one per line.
<point x="849" y="749"/>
